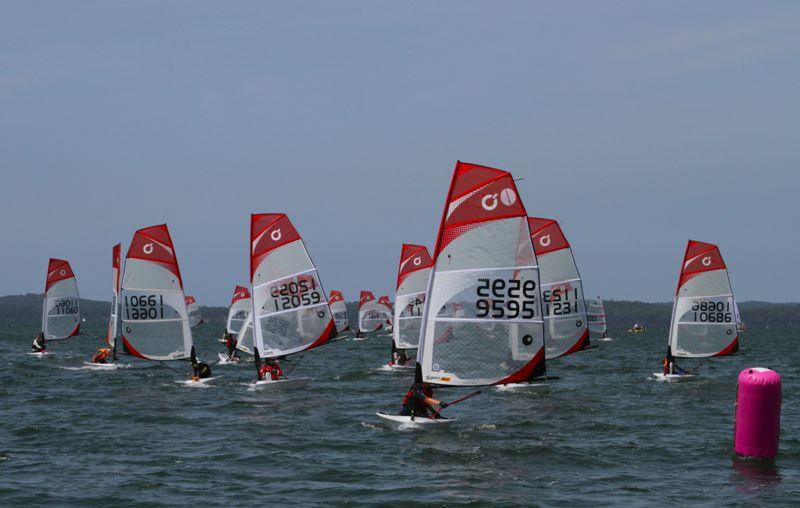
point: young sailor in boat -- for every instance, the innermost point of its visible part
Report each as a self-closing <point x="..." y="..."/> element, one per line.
<point x="230" y="343"/>
<point x="670" y="367"/>
<point x="419" y="402"/>
<point x="359" y="335"/>
<point x="200" y="370"/>
<point x="271" y="369"/>
<point x="39" y="343"/>
<point x="101" y="356"/>
<point x="399" y="356"/>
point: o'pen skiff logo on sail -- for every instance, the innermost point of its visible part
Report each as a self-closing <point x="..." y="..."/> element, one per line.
<point x="544" y="241"/>
<point x="417" y="261"/>
<point x="62" y="272"/>
<point x="507" y="196"/>
<point x="276" y="235"/>
<point x="706" y="261"/>
<point x="148" y="248"/>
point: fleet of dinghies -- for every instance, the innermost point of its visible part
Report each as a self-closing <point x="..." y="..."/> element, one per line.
<point x="499" y="298"/>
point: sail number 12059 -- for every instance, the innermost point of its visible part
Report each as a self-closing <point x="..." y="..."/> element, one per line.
<point x="505" y="299"/>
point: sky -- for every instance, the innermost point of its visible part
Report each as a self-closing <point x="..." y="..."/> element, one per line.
<point x="637" y="125"/>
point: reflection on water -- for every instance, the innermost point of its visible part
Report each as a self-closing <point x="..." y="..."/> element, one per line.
<point x="752" y="475"/>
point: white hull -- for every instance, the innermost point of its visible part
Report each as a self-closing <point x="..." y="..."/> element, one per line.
<point x="281" y="384"/>
<point x="105" y="366"/>
<point x="40" y="355"/>
<point x="198" y="383"/>
<point x="393" y="368"/>
<point x="224" y="360"/>
<point x="406" y="421"/>
<point x="520" y="387"/>
<point x="660" y="376"/>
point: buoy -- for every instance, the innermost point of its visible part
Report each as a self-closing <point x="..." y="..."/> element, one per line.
<point x="758" y="413"/>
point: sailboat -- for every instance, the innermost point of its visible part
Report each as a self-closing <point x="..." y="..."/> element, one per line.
<point x="155" y="321"/>
<point x="369" y="317"/>
<point x="61" y="315"/>
<point x="703" y="321"/>
<point x="482" y="322"/>
<point x="238" y="310"/>
<point x="412" y="286"/>
<point x="385" y="309"/>
<point x="339" y="311"/>
<point x="596" y="316"/>
<point x="112" y="332"/>
<point x="566" y="329"/>
<point x="290" y="309"/>
<point x="195" y="317"/>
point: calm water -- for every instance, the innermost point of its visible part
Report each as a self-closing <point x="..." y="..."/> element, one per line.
<point x="603" y="432"/>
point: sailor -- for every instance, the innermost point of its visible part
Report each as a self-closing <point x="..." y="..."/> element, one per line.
<point x="200" y="370"/>
<point x="359" y="335"/>
<point x="270" y="368"/>
<point x="399" y="357"/>
<point x="39" y="343"/>
<point x="670" y="367"/>
<point x="230" y="343"/>
<point x="419" y="402"/>
<point x="101" y="356"/>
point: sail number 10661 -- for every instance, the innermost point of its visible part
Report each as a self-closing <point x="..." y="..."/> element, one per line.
<point x="505" y="299"/>
<point x="144" y="307"/>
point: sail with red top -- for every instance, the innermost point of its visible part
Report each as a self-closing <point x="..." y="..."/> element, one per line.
<point x="116" y="272"/>
<point x="61" y="315"/>
<point x="238" y="310"/>
<point x="412" y="286"/>
<point x="565" y="319"/>
<point x="339" y="311"/>
<point x="290" y="309"/>
<point x="195" y="316"/>
<point x="482" y="323"/>
<point x="596" y="317"/>
<point x="155" y="321"/>
<point x="369" y="316"/>
<point x="703" y="315"/>
<point x="385" y="310"/>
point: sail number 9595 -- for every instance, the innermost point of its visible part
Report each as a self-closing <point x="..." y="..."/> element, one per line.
<point x="505" y="299"/>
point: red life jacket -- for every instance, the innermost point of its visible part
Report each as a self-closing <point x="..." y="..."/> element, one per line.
<point x="274" y="371"/>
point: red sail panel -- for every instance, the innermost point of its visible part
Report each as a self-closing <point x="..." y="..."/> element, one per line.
<point x="336" y="296"/>
<point x="412" y="259"/>
<point x="154" y="244"/>
<point x="268" y="231"/>
<point x="240" y="293"/>
<point x="57" y="270"/>
<point x="547" y="236"/>
<point x="466" y="207"/>
<point x="700" y="257"/>
<point x="366" y="296"/>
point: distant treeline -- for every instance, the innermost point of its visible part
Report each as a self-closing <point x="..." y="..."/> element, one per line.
<point x="27" y="309"/>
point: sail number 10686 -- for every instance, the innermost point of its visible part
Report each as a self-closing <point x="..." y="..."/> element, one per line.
<point x="712" y="312"/>
<point x="506" y="299"/>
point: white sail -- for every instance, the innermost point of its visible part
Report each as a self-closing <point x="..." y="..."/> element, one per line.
<point x="155" y="322"/>
<point x="195" y="316"/>
<point x="703" y="320"/>
<point x="244" y="339"/>
<point x="482" y="323"/>
<point x="339" y="311"/>
<point x="238" y="310"/>
<point x="385" y="311"/>
<point x="565" y="319"/>
<point x="61" y="315"/>
<point x="596" y="316"/>
<point x="113" y="320"/>
<point x="370" y="318"/>
<point x="290" y="309"/>
<point x="412" y="286"/>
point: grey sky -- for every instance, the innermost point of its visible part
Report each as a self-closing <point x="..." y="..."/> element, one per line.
<point x="636" y="124"/>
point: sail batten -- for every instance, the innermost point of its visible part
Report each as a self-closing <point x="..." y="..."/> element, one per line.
<point x="290" y="309"/>
<point x="703" y="320"/>
<point x="155" y="319"/>
<point x="482" y="321"/>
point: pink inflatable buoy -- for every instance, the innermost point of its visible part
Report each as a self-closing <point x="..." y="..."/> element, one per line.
<point x="758" y="413"/>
